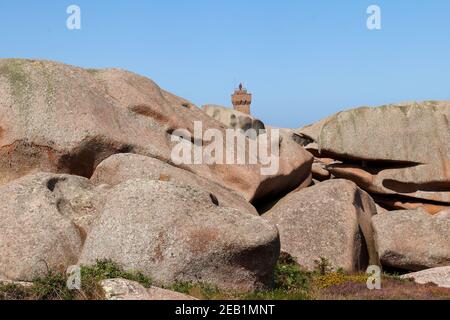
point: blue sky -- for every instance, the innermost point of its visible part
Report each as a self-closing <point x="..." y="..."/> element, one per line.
<point x="302" y="59"/>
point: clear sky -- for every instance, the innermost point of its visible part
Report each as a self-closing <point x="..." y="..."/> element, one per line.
<point x="302" y="59"/>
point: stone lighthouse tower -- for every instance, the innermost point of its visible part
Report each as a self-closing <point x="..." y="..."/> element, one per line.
<point x="242" y="100"/>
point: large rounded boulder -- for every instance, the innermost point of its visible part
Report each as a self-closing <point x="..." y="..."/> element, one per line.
<point x="44" y="219"/>
<point x="178" y="233"/>
<point x="413" y="240"/>
<point x="330" y="220"/>
<point x="123" y="167"/>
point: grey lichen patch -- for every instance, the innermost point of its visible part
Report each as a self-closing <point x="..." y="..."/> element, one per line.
<point x="93" y="71"/>
<point x="13" y="71"/>
<point x="26" y="77"/>
<point x="406" y="107"/>
<point x="403" y="108"/>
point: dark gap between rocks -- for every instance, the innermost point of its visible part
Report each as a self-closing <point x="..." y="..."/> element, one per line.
<point x="376" y="165"/>
<point x="402" y="187"/>
<point x="276" y="193"/>
<point x="405" y="199"/>
<point x="83" y="161"/>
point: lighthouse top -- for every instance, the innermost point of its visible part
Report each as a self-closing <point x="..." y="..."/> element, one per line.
<point x="241" y="100"/>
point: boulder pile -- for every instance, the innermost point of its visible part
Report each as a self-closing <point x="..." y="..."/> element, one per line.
<point x="86" y="174"/>
<point x="400" y="154"/>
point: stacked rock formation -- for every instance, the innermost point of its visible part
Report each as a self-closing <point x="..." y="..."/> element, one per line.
<point x="86" y="174"/>
<point x="400" y="154"/>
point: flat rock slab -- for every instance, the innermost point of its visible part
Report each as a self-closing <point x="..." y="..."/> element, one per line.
<point x="121" y="289"/>
<point x="439" y="276"/>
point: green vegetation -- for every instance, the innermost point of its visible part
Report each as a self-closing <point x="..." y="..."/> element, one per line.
<point x="106" y="269"/>
<point x="13" y="292"/>
<point x="54" y="285"/>
<point x="289" y="275"/>
<point x="201" y="291"/>
<point x="291" y="282"/>
<point x="181" y="287"/>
